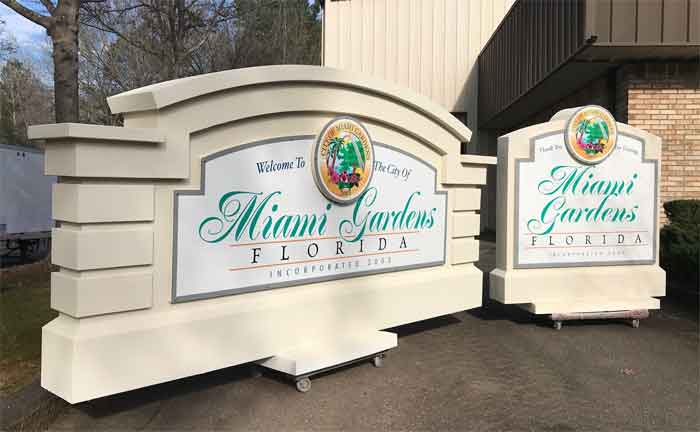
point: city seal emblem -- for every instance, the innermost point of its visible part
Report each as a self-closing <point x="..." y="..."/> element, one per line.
<point x="343" y="160"/>
<point x="591" y="134"/>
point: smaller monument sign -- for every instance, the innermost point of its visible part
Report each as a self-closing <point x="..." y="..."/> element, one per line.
<point x="586" y="201"/>
<point x="582" y="194"/>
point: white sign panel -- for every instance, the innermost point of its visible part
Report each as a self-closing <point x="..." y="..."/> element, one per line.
<point x="574" y="214"/>
<point x="260" y="222"/>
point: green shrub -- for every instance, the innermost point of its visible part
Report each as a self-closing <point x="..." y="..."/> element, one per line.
<point x="680" y="242"/>
<point x="683" y="211"/>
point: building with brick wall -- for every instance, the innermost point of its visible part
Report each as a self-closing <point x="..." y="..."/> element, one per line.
<point x="502" y="65"/>
<point x="638" y="59"/>
<point x="662" y="97"/>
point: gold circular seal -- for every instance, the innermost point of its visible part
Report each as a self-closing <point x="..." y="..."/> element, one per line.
<point x="591" y="134"/>
<point x="343" y="160"/>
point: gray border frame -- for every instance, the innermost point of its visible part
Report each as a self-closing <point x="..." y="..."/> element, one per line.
<point x="264" y="287"/>
<point x="516" y="184"/>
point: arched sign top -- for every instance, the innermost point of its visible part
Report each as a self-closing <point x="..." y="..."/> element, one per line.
<point x="166" y="94"/>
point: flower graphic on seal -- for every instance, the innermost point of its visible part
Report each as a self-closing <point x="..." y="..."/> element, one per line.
<point x="591" y="134"/>
<point x="343" y="160"/>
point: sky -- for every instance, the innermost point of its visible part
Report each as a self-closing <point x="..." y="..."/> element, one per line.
<point x="25" y="32"/>
<point x="33" y="44"/>
<point x="31" y="38"/>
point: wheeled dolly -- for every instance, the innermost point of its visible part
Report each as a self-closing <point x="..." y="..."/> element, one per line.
<point x="303" y="382"/>
<point x="302" y="362"/>
<point x="633" y="315"/>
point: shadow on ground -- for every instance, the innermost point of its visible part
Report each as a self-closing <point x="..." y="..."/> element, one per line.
<point x="491" y="368"/>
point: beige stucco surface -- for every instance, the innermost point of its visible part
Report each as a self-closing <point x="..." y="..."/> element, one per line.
<point x="429" y="46"/>
<point x="118" y="328"/>
<point x="566" y="289"/>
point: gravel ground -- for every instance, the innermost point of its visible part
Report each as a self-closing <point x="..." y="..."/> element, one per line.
<point x="493" y="368"/>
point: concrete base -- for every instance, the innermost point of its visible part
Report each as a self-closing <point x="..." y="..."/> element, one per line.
<point x="321" y="355"/>
<point x="580" y="289"/>
<point x="84" y="359"/>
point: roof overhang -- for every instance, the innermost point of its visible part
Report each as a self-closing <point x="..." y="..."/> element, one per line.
<point x="592" y="62"/>
<point x="543" y="51"/>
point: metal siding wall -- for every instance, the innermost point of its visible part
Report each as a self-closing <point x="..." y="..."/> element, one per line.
<point x="694" y="19"/>
<point x="534" y="39"/>
<point x="624" y="19"/>
<point x="675" y="22"/>
<point x="640" y="22"/>
<point x="430" y="46"/>
<point x="649" y="19"/>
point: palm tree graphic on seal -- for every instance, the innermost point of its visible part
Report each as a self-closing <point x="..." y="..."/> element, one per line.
<point x="592" y="135"/>
<point x="345" y="161"/>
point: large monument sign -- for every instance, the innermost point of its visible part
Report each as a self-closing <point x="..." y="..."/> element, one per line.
<point x="579" y="214"/>
<point x="284" y="215"/>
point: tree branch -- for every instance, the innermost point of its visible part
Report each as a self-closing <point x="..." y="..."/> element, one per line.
<point x="102" y="26"/>
<point x="29" y="14"/>
<point x="48" y="5"/>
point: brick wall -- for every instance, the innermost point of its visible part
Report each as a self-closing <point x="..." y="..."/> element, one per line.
<point x="664" y="99"/>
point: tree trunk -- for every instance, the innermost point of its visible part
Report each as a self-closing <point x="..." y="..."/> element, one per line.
<point x="64" y="34"/>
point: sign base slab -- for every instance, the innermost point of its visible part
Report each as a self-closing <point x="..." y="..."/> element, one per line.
<point x="200" y="337"/>
<point x="317" y="356"/>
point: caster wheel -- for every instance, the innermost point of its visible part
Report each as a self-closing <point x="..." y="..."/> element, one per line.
<point x="378" y="360"/>
<point x="255" y="372"/>
<point x="557" y="325"/>
<point x="635" y="323"/>
<point x="304" y="385"/>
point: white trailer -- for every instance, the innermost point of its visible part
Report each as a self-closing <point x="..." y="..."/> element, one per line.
<point x="25" y="201"/>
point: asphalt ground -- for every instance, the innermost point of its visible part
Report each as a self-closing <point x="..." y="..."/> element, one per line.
<point x="492" y="368"/>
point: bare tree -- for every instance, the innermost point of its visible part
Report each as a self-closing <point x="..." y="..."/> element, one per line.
<point x="276" y="32"/>
<point x="7" y="45"/>
<point x="125" y="44"/>
<point x="170" y="31"/>
<point x="60" y="19"/>
<point x="24" y="100"/>
<point x="100" y="76"/>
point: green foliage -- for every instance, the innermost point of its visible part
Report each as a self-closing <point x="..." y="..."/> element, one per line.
<point x="680" y="242"/>
<point x="591" y="133"/>
<point x="24" y="308"/>
<point x="333" y="147"/>
<point x="683" y="211"/>
<point x="597" y="130"/>
<point x="348" y="156"/>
